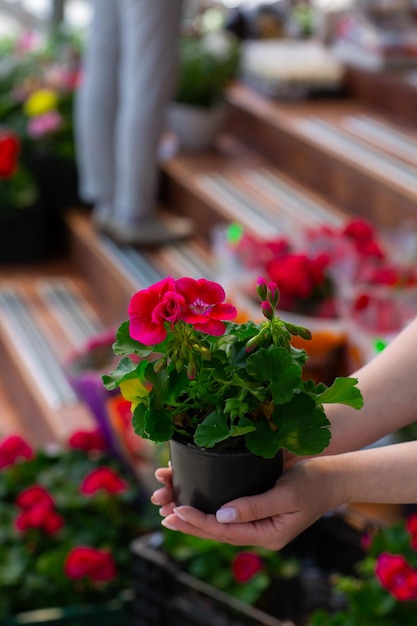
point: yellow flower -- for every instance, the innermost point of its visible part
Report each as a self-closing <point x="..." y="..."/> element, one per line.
<point x="133" y="390"/>
<point x="41" y="102"/>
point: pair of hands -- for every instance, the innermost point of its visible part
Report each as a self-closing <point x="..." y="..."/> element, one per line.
<point x="301" y="496"/>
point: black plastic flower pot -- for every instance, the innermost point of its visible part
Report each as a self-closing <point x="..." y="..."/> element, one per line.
<point x="207" y="479"/>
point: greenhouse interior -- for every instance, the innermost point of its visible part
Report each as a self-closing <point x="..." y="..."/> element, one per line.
<point x="208" y="297"/>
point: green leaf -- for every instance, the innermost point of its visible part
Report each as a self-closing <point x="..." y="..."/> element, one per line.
<point x="276" y="367"/>
<point x="155" y="425"/>
<point x="167" y="386"/>
<point x="303" y="428"/>
<point x="213" y="429"/>
<point x="343" y="391"/>
<point x="125" y="370"/>
<point x="263" y="441"/>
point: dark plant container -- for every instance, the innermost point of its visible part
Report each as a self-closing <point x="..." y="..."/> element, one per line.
<point x="163" y="595"/>
<point x="107" y="613"/>
<point x="207" y="479"/>
<point x="23" y="235"/>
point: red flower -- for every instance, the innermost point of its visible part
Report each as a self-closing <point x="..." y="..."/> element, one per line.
<point x="13" y="448"/>
<point x="33" y="496"/>
<point x="9" y="150"/>
<point x="88" y="440"/>
<point x="363" y="236"/>
<point x="397" y="576"/>
<point x="245" y="566"/>
<point x="150" y="308"/>
<point x="102" y="478"/>
<point x="84" y="561"/>
<point x="204" y="305"/>
<point x="41" y="516"/>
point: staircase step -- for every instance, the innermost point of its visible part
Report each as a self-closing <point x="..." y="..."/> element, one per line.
<point x="362" y="161"/>
<point x="42" y="324"/>
<point x="214" y="188"/>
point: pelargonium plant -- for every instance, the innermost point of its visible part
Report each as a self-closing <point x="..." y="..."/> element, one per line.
<point x="193" y="374"/>
<point x="67" y="517"/>
<point x="384" y="591"/>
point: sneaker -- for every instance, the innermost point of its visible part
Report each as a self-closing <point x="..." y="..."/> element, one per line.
<point x="160" y="230"/>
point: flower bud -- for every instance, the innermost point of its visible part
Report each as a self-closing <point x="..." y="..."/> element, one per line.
<point x="267" y="310"/>
<point x="191" y="369"/>
<point x="160" y="364"/>
<point x="262" y="288"/>
<point x="304" y="333"/>
<point x="179" y="365"/>
<point x="273" y="294"/>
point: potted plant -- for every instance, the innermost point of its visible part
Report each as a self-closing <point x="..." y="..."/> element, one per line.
<point x="221" y="393"/>
<point x="207" y="63"/>
<point x="22" y="217"/>
<point x="67" y="517"/>
<point x="384" y="589"/>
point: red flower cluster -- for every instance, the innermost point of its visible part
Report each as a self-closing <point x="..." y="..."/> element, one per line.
<point x="196" y="302"/>
<point x="104" y="479"/>
<point x="12" y="449"/>
<point x="86" y="562"/>
<point x="397" y="576"/>
<point x="89" y="441"/>
<point x="38" y="511"/>
<point x="9" y="151"/>
<point x="245" y="566"/>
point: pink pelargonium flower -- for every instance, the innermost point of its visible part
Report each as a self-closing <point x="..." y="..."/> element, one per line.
<point x="34" y="496"/>
<point x="103" y="479"/>
<point x="86" y="562"/>
<point x="88" y="440"/>
<point x="40" y="516"/>
<point x="44" y="124"/>
<point x="151" y="308"/>
<point x="397" y="576"/>
<point x="204" y="305"/>
<point x="245" y="566"/>
<point x="12" y="449"/>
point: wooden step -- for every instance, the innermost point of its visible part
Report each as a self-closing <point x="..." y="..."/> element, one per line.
<point x="43" y="323"/>
<point x="357" y="159"/>
<point x="221" y="187"/>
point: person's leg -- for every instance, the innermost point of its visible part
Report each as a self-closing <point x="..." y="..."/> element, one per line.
<point x="95" y="108"/>
<point x="150" y="30"/>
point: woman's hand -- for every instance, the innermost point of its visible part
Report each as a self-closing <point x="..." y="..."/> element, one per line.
<point x="301" y="496"/>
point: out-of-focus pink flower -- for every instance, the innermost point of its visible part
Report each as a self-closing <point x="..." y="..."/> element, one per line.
<point x="41" y="516"/>
<point x="12" y="449"/>
<point x="245" y="566"/>
<point x="86" y="562"/>
<point x="34" y="495"/>
<point x="103" y="479"/>
<point x="88" y="440"/>
<point x="397" y="576"/>
<point x="44" y="124"/>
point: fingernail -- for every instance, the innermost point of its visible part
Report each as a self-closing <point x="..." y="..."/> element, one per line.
<point x="226" y="515"/>
<point x="179" y="514"/>
<point x="168" y="525"/>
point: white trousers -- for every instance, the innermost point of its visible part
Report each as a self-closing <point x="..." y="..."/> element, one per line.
<point x="129" y="72"/>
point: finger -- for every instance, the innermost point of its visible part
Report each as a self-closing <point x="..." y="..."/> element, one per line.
<point x="161" y="496"/>
<point x="167" y="509"/>
<point x="164" y="475"/>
